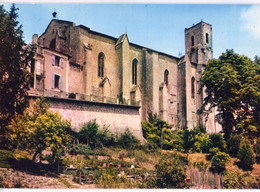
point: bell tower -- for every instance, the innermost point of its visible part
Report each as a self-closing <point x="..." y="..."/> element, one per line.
<point x="198" y="43"/>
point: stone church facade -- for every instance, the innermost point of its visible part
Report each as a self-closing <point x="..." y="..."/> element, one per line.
<point x="75" y="64"/>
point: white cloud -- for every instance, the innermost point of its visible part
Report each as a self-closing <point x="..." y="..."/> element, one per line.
<point x="251" y="21"/>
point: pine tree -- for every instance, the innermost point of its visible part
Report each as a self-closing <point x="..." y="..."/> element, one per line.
<point x="14" y="74"/>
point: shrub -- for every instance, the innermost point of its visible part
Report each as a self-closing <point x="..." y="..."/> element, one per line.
<point x="127" y="140"/>
<point x="171" y="173"/>
<point x="233" y="144"/>
<point x="237" y="179"/>
<point x="246" y="155"/>
<point x="106" y="138"/>
<point x="217" y="140"/>
<point x="218" y="162"/>
<point x="88" y="133"/>
<point x="82" y="149"/>
<point x="202" y="143"/>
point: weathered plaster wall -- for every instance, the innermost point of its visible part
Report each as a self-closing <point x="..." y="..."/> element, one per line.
<point x="117" y="117"/>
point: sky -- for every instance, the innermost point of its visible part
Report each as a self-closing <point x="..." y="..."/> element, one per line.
<point x="156" y="26"/>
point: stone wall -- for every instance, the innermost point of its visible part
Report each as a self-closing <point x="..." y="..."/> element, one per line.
<point x="116" y="117"/>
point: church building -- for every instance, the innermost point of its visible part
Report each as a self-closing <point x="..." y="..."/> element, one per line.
<point x="89" y="75"/>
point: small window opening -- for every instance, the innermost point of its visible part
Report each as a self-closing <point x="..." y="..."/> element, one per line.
<point x="53" y="44"/>
<point x="166" y="77"/>
<point x="192" y="40"/>
<point x="57" y="61"/>
<point x="134" y="72"/>
<point x="101" y="59"/>
<point x="192" y="87"/>
<point x="56" y="81"/>
<point x="207" y="38"/>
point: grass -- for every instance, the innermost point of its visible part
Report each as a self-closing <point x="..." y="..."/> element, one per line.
<point x="64" y="182"/>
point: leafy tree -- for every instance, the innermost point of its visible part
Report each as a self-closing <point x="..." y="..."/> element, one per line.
<point x="218" y="162"/>
<point x="246" y="155"/>
<point x="171" y="173"/>
<point x="18" y="133"/>
<point x="233" y="144"/>
<point x="188" y="140"/>
<point x="14" y="76"/>
<point x="47" y="129"/>
<point x="232" y="86"/>
<point x="217" y="140"/>
<point x="157" y="131"/>
<point x="202" y="143"/>
<point x="88" y="133"/>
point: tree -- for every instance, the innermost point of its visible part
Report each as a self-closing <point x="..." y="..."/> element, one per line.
<point x="246" y="155"/>
<point x="157" y="131"/>
<point x="14" y="76"/>
<point x="232" y="86"/>
<point x="47" y="129"/>
<point x="88" y="133"/>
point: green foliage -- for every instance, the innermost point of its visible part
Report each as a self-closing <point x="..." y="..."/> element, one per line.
<point x="88" y="133"/>
<point x="49" y="130"/>
<point x="127" y="140"/>
<point x="106" y="138"/>
<point x="18" y="131"/>
<point x="188" y="140"/>
<point x="218" y="162"/>
<point x="237" y="179"/>
<point x="202" y="143"/>
<point x="14" y="63"/>
<point x="171" y="173"/>
<point x="157" y="132"/>
<point x="233" y="144"/>
<point x="217" y="140"/>
<point x="246" y="155"/>
<point x="81" y="149"/>
<point x="232" y="85"/>
<point x="212" y="151"/>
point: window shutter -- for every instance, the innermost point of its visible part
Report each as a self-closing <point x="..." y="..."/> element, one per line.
<point x="53" y="60"/>
<point x="38" y="67"/>
<point x="61" y="62"/>
<point x="61" y="83"/>
<point x="53" y="81"/>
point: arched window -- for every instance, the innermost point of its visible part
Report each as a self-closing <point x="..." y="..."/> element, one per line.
<point x="134" y="72"/>
<point x="192" y="40"/>
<point x="207" y="38"/>
<point x="166" y="77"/>
<point x="192" y="87"/>
<point x="53" y="44"/>
<point x="101" y="59"/>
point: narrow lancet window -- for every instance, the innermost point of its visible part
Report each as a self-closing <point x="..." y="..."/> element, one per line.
<point x="101" y="58"/>
<point x="134" y="72"/>
<point x="192" y="87"/>
<point x="166" y="77"/>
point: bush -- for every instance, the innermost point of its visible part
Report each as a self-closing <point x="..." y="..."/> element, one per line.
<point x="171" y="173"/>
<point x="237" y="179"/>
<point x="106" y="138"/>
<point x="217" y="140"/>
<point x="88" y="133"/>
<point x="233" y="144"/>
<point x="246" y="155"/>
<point x="202" y="143"/>
<point x="82" y="149"/>
<point x="218" y="163"/>
<point x="127" y="140"/>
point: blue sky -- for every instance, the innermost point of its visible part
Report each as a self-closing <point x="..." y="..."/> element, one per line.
<point x="156" y="26"/>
